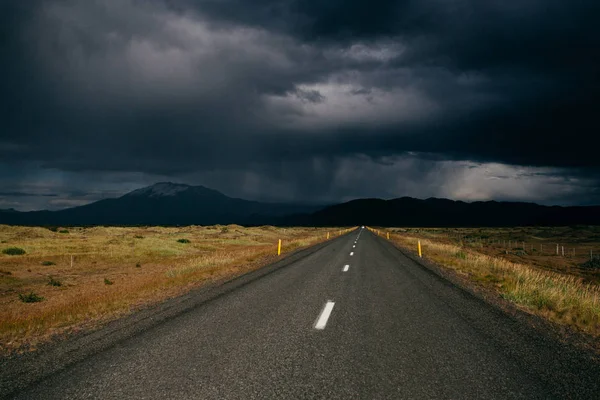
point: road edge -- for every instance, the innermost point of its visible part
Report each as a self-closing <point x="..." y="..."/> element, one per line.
<point x="562" y="333"/>
<point x="18" y="371"/>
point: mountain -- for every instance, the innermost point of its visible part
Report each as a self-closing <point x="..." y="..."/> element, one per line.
<point x="178" y="204"/>
<point x="163" y="203"/>
<point x="433" y="212"/>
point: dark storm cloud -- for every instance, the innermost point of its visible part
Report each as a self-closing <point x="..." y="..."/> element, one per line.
<point x="295" y="91"/>
<point x="538" y="59"/>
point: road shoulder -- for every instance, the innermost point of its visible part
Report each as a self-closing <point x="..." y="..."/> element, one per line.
<point x="18" y="371"/>
<point x="565" y="334"/>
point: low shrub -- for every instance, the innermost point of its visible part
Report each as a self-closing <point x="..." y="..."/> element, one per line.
<point x="63" y="231"/>
<point x="107" y="281"/>
<point x="13" y="251"/>
<point x="47" y="263"/>
<point x="54" y="282"/>
<point x="183" y="241"/>
<point x="591" y="264"/>
<point x="30" y="298"/>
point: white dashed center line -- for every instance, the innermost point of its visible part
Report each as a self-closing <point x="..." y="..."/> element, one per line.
<point x="351" y="253"/>
<point x="346" y="267"/>
<point x="322" y="321"/>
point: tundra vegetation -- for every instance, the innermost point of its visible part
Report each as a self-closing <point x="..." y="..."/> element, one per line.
<point x="60" y="283"/>
<point x="523" y="266"/>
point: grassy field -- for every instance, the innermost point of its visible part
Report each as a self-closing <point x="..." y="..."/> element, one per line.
<point x="563" y="289"/>
<point x="566" y="250"/>
<point x="76" y="278"/>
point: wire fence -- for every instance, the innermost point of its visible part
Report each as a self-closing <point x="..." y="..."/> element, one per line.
<point x="541" y="248"/>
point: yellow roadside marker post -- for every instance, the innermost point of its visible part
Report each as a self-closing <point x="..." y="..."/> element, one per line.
<point x="388" y="236"/>
<point x="327" y="235"/>
<point x="420" y="253"/>
<point x="279" y="248"/>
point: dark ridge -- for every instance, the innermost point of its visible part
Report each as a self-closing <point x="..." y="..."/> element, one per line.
<point x="164" y="203"/>
<point x="167" y="203"/>
<point x="435" y="212"/>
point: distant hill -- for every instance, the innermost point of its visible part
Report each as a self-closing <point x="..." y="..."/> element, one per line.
<point x="163" y="204"/>
<point x="178" y="204"/>
<point x="406" y="211"/>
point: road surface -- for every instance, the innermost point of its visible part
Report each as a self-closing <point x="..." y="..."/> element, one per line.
<point x="353" y="319"/>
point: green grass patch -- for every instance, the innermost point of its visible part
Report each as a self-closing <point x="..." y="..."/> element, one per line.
<point x="30" y="297"/>
<point x="14" y="251"/>
<point x="591" y="264"/>
<point x="54" y="282"/>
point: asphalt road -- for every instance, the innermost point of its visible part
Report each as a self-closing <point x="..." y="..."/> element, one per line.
<point x="382" y="328"/>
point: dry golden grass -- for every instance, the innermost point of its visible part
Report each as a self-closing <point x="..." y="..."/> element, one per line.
<point x="145" y="265"/>
<point x="527" y="245"/>
<point x="562" y="298"/>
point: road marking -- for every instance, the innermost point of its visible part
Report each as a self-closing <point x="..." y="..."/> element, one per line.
<point x="346" y="267"/>
<point x="322" y="321"/>
<point x="351" y="253"/>
<point x="354" y="246"/>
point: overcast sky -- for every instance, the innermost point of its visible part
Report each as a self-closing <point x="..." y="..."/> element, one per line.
<point x="312" y="101"/>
